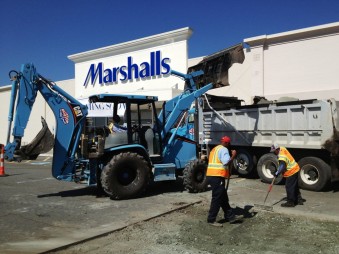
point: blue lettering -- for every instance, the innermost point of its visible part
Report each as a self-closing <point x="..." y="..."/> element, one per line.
<point x="108" y="78"/>
<point x="144" y="70"/>
<point x="115" y="72"/>
<point x="157" y="60"/>
<point x="93" y="74"/>
<point x="165" y="65"/>
<point x="152" y="64"/>
<point x="123" y="73"/>
<point x="131" y="67"/>
<point x="156" y="66"/>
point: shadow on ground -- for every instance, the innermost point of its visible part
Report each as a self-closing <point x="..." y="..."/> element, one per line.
<point x="153" y="189"/>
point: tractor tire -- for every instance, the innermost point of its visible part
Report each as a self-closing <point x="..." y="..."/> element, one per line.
<point x="244" y="163"/>
<point x="314" y="174"/>
<point x="267" y="166"/>
<point x="100" y="189"/>
<point x="195" y="176"/>
<point x="125" y="176"/>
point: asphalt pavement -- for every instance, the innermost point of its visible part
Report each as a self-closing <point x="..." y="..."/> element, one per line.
<point x="40" y="213"/>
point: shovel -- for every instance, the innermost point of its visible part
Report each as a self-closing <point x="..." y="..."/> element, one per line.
<point x="265" y="207"/>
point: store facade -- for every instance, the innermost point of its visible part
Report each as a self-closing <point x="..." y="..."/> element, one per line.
<point x="302" y="64"/>
<point x="138" y="67"/>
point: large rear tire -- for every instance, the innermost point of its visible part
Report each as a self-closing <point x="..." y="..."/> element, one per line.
<point x="125" y="176"/>
<point x="314" y="174"/>
<point x="195" y="176"/>
<point x="267" y="166"/>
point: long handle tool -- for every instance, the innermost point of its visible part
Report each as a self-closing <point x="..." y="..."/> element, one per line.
<point x="265" y="207"/>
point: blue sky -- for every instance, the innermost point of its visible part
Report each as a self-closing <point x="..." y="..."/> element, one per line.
<point x="45" y="32"/>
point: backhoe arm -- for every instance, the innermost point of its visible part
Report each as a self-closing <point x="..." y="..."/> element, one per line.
<point x="69" y="114"/>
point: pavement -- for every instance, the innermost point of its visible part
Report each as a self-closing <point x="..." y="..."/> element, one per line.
<point x="40" y="213"/>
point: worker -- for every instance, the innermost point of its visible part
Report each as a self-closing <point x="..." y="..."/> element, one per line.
<point x="289" y="168"/>
<point x="115" y="127"/>
<point x="217" y="172"/>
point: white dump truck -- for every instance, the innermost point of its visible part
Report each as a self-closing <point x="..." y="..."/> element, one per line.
<point x="308" y="128"/>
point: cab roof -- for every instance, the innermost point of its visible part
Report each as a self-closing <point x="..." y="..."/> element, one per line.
<point x="123" y="98"/>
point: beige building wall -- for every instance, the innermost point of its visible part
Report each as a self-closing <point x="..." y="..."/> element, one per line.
<point x="302" y="63"/>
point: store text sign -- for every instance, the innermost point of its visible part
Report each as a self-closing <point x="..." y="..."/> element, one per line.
<point x="156" y="65"/>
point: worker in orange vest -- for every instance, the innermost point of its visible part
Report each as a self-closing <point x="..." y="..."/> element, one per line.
<point x="289" y="168"/>
<point x="217" y="172"/>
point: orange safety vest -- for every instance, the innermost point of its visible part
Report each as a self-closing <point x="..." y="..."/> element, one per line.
<point x="292" y="166"/>
<point x="215" y="167"/>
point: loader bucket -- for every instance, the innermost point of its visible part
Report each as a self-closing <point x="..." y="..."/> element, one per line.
<point x="215" y="66"/>
<point x="42" y="143"/>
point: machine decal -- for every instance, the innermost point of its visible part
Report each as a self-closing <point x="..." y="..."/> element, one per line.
<point x="64" y="116"/>
<point x="77" y="111"/>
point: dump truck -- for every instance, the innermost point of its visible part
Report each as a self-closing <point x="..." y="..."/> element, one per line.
<point x="119" y="164"/>
<point x="308" y="128"/>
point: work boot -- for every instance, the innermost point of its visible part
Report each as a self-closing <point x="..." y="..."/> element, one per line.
<point x="301" y="201"/>
<point x="288" y="204"/>
<point x="231" y="217"/>
<point x="215" y="224"/>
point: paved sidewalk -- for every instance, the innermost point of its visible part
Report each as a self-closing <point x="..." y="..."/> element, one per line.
<point x="39" y="213"/>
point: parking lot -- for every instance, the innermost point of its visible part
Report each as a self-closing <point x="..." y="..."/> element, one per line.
<point x="39" y="213"/>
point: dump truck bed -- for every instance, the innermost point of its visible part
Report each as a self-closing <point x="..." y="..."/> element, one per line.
<point x="296" y="124"/>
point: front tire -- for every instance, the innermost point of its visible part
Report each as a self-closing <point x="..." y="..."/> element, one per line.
<point x="314" y="174"/>
<point x="267" y="166"/>
<point x="195" y="176"/>
<point x="125" y="176"/>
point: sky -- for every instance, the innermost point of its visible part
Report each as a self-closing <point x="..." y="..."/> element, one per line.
<point x="45" y="32"/>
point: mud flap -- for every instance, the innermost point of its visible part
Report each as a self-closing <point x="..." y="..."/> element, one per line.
<point x="216" y="66"/>
<point x="42" y="143"/>
<point x="332" y="145"/>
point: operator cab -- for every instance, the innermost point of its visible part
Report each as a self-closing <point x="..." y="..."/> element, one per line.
<point x="139" y="123"/>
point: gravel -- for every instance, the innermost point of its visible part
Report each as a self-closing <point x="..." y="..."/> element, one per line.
<point x="186" y="232"/>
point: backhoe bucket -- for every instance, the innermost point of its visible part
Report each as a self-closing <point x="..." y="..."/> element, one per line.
<point x="42" y="143"/>
<point x="216" y="66"/>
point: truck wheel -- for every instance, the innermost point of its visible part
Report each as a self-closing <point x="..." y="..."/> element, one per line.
<point x="314" y="174"/>
<point x="243" y="163"/>
<point x="267" y="166"/>
<point x="195" y="176"/>
<point x="125" y="176"/>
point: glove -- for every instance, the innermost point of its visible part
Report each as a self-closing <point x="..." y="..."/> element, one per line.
<point x="281" y="168"/>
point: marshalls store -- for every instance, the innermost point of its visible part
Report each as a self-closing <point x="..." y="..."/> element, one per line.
<point x="302" y="64"/>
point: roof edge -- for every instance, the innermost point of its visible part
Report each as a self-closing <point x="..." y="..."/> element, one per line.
<point x="150" y="41"/>
<point x="308" y="32"/>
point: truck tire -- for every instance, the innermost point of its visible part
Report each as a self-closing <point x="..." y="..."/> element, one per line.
<point x="243" y="162"/>
<point x="267" y="165"/>
<point x="314" y="174"/>
<point x="125" y="176"/>
<point x="195" y="176"/>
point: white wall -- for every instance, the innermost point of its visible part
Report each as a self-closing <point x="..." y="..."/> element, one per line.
<point x="301" y="66"/>
<point x="303" y="63"/>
